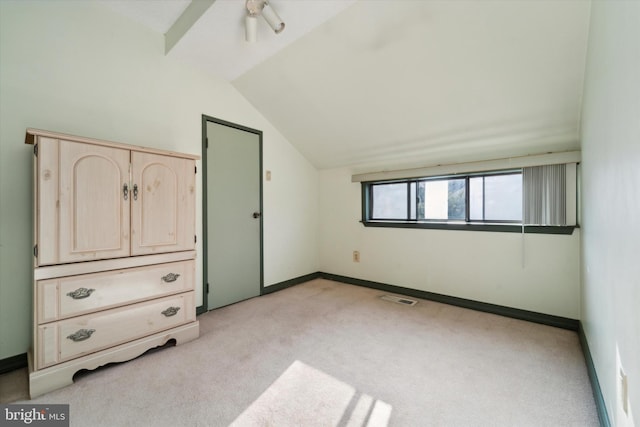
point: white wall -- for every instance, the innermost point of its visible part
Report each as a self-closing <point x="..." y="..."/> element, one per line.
<point x="611" y="200"/>
<point x="482" y="266"/>
<point x="78" y="68"/>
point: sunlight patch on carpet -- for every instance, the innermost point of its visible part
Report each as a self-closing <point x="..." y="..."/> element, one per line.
<point x="303" y="395"/>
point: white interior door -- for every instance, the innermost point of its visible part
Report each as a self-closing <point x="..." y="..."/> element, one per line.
<point x="233" y="214"/>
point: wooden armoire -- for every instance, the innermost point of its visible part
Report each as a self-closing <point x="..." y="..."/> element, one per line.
<point x="114" y="254"/>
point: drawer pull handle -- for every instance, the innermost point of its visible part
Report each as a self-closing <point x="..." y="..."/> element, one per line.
<point x="171" y="311"/>
<point x="80" y="293"/>
<point x="81" y="335"/>
<point x="171" y="277"/>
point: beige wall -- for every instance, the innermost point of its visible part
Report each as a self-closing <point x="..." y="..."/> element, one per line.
<point x="78" y="68"/>
<point x="482" y="266"/>
<point x="611" y="202"/>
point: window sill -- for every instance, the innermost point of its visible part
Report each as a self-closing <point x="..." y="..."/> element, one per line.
<point x="500" y="228"/>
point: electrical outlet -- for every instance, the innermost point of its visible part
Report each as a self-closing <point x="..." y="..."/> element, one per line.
<point x="624" y="391"/>
<point x="623" y="416"/>
<point x="356" y="256"/>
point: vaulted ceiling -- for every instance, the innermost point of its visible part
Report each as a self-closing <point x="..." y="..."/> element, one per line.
<point x="377" y="84"/>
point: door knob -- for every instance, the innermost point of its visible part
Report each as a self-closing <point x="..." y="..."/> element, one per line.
<point x="256" y="214"/>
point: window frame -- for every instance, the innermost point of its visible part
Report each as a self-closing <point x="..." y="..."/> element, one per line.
<point x="510" y="226"/>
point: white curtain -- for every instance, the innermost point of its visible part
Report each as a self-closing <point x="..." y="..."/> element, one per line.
<point x="544" y="195"/>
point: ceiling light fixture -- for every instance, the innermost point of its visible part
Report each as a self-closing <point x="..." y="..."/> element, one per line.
<point x="261" y="7"/>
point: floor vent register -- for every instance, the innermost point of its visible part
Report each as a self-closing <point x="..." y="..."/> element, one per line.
<point x="399" y="300"/>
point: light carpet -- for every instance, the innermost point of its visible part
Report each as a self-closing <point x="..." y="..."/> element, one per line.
<point x="331" y="354"/>
<point x="304" y="396"/>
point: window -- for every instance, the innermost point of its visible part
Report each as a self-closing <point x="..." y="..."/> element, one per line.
<point x="495" y="198"/>
<point x="475" y="201"/>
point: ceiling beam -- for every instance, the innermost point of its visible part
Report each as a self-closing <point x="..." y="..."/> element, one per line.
<point x="191" y="14"/>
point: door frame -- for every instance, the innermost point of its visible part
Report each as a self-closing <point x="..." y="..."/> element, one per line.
<point x="205" y="238"/>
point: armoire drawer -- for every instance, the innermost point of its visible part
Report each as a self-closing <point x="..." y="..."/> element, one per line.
<point x="67" y="339"/>
<point x="65" y="297"/>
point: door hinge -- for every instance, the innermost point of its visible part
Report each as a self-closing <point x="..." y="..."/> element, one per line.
<point x="207" y="143"/>
<point x="195" y="239"/>
<point x="207" y="288"/>
<point x="35" y="251"/>
<point x="196" y="169"/>
<point x="35" y="150"/>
